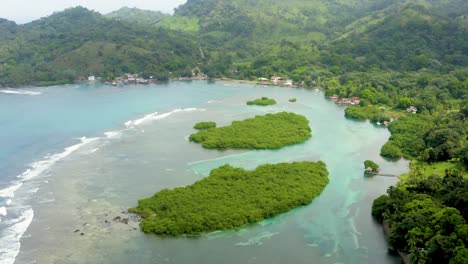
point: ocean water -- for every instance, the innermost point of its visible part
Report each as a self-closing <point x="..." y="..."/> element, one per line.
<point x="75" y="157"/>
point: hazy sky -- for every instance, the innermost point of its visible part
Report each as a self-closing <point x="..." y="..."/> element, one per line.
<point x="23" y="11"/>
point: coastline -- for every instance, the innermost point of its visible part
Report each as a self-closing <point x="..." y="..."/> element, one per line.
<point x="78" y="164"/>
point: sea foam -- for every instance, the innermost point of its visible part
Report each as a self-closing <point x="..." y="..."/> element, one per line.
<point x="3" y="211"/>
<point x="157" y="116"/>
<point x="10" y="236"/>
<point x="10" y="242"/>
<point x="20" y="92"/>
<point x="39" y="167"/>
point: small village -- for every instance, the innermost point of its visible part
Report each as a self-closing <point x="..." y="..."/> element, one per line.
<point x="135" y="78"/>
<point x="276" y="80"/>
<point x="127" y="78"/>
<point x="345" y="101"/>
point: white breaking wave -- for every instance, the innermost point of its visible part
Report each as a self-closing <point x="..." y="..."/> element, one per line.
<point x="3" y="211"/>
<point x="21" y="92"/>
<point x="214" y="101"/>
<point x="10" y="242"/>
<point x="141" y="120"/>
<point x="93" y="150"/>
<point x="10" y="237"/>
<point x="156" y="116"/>
<point x="10" y="191"/>
<point x="113" y="134"/>
<point x="39" y="167"/>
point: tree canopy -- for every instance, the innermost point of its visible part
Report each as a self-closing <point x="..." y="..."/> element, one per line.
<point x="270" y="131"/>
<point x="231" y="197"/>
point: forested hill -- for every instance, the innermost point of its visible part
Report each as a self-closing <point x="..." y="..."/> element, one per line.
<point x="137" y="16"/>
<point x="243" y="39"/>
<point x="79" y="42"/>
<point x="264" y="37"/>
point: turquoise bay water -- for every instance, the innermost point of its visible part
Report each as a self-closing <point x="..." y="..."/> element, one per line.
<point x="87" y="186"/>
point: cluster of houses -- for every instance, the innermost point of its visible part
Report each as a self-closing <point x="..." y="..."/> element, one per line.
<point x="127" y="78"/>
<point x="275" y="80"/>
<point x="130" y="78"/>
<point x="345" y="101"/>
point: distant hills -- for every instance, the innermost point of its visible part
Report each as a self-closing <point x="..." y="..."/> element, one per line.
<point x="79" y="42"/>
<point x="243" y="39"/>
<point x="137" y="16"/>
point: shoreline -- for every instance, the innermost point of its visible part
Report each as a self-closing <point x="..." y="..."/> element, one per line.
<point x="113" y="217"/>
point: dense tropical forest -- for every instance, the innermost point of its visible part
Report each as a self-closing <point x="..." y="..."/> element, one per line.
<point x="231" y="197"/>
<point x="271" y="131"/>
<point x="426" y="218"/>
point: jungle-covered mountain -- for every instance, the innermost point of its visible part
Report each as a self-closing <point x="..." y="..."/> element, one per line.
<point x="137" y="16"/>
<point x="79" y="42"/>
<point x="261" y="37"/>
<point x="243" y="39"/>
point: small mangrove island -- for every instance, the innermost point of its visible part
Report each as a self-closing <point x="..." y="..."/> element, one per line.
<point x="264" y="101"/>
<point x="371" y="167"/>
<point x="271" y="131"/>
<point x="204" y="125"/>
<point x="293" y="100"/>
<point x="230" y="198"/>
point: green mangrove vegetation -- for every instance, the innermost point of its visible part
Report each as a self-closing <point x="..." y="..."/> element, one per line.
<point x="293" y="100"/>
<point x="427" y="217"/>
<point x="271" y="131"/>
<point x="204" y="125"/>
<point x="264" y="101"/>
<point x="371" y="166"/>
<point x="371" y="113"/>
<point x="231" y="197"/>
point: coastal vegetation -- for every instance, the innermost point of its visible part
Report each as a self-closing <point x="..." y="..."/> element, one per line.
<point x="427" y="217"/>
<point x="371" y="166"/>
<point x="422" y="169"/>
<point x="394" y="54"/>
<point x="264" y="101"/>
<point x="271" y="131"/>
<point x="293" y="100"/>
<point x="204" y="125"/>
<point x="230" y="198"/>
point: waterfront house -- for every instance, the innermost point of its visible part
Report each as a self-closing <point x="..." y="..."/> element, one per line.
<point x="277" y="80"/>
<point x="355" y="100"/>
<point x="412" y="109"/>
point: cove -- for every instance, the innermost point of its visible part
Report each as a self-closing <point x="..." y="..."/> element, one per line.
<point x="86" y="189"/>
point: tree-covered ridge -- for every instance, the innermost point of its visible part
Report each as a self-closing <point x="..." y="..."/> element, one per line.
<point x="327" y="36"/>
<point x="427" y="218"/>
<point x="231" y="197"/>
<point x="271" y="131"/>
<point x="78" y="42"/>
<point x="243" y="39"/>
<point x="137" y="16"/>
<point x="264" y="101"/>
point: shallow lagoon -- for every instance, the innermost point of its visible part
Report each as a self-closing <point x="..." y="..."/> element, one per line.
<point x="85" y="190"/>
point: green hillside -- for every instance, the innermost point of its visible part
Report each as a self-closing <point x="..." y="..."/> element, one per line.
<point x="78" y="42"/>
<point x="243" y="39"/>
<point x="137" y="16"/>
